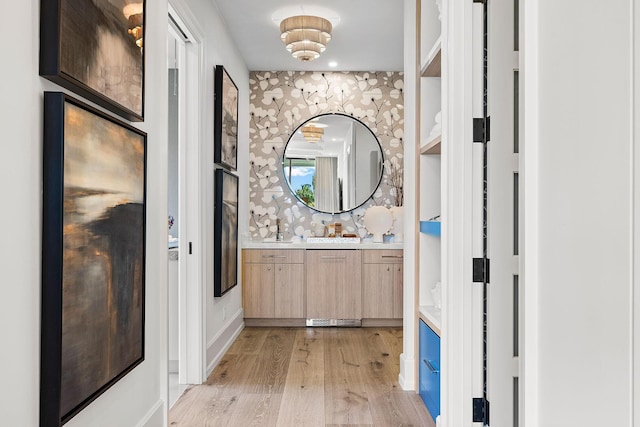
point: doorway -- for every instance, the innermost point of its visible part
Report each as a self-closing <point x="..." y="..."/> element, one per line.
<point x="185" y="288"/>
<point x="175" y="66"/>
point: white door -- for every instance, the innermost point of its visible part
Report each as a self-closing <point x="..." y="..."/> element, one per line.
<point x="502" y="214"/>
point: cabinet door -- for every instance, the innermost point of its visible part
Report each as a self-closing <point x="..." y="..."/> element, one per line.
<point x="377" y="291"/>
<point x="258" y="290"/>
<point x="429" y="371"/>
<point x="289" y="291"/>
<point x="334" y="284"/>
<point x="397" y="291"/>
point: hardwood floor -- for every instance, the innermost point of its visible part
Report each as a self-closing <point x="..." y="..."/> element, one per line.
<point x="294" y="377"/>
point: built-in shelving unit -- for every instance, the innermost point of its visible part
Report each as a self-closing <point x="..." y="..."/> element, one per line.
<point x="432" y="141"/>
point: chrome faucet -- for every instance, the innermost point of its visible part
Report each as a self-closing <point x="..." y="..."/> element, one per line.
<point x="278" y="232"/>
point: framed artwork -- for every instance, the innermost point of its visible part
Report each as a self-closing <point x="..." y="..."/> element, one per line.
<point x="226" y="232"/>
<point x="93" y="255"/>
<point x="226" y="120"/>
<point x="95" y="49"/>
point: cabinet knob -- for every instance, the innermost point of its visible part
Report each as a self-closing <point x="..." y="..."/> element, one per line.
<point x="398" y="268"/>
<point x="388" y="268"/>
<point x="268" y="268"/>
<point x="279" y="268"/>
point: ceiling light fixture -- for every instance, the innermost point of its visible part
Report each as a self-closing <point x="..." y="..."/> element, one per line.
<point x="133" y="13"/>
<point x="312" y="133"/>
<point x="305" y="36"/>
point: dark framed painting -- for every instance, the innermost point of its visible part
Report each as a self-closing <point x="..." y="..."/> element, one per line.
<point x="225" y="232"/>
<point x="95" y="49"/>
<point x="225" y="120"/>
<point x="93" y="255"/>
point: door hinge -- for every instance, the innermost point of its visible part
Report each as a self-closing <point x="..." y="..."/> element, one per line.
<point x="481" y="129"/>
<point x="481" y="270"/>
<point x="480" y="414"/>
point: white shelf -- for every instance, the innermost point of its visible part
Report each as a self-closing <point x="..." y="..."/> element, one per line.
<point x="431" y="316"/>
<point x="432" y="146"/>
<point x="431" y="65"/>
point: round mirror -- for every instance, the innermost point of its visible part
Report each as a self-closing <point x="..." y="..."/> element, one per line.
<point x="333" y="163"/>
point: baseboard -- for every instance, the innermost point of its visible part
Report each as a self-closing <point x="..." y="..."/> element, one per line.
<point x="274" y="323"/>
<point x="407" y="376"/>
<point x="382" y="323"/>
<point x="301" y="323"/>
<point x="223" y="340"/>
<point x="155" y="417"/>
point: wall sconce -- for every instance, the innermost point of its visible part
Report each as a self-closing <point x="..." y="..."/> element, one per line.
<point x="133" y="13"/>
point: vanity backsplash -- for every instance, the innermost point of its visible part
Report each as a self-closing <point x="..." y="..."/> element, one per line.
<point x="282" y="100"/>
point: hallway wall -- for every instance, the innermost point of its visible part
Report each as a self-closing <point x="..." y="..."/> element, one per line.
<point x="138" y="397"/>
<point x="579" y="211"/>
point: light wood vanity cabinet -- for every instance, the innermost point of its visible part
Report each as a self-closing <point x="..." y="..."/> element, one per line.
<point x="382" y="284"/>
<point x="334" y="284"/>
<point x="273" y="284"/>
<point x="291" y="285"/>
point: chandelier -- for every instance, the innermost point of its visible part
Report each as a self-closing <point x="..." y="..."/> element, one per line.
<point x="312" y="133"/>
<point x="305" y="36"/>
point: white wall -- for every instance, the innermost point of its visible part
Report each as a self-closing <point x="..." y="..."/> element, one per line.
<point x="140" y="395"/>
<point x="578" y="219"/>
<point x="224" y="317"/>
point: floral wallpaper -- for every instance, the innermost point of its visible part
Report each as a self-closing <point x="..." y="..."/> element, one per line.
<point x="282" y="100"/>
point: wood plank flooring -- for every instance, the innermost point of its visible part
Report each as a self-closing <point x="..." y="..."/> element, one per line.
<point x="305" y="377"/>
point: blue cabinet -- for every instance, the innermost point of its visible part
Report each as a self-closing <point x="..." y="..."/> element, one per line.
<point x="429" y="372"/>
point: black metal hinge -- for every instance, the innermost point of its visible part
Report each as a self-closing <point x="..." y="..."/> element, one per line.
<point x="481" y="129"/>
<point x="479" y="413"/>
<point x="481" y="270"/>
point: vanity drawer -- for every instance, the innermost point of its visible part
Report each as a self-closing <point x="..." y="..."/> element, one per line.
<point x="382" y="256"/>
<point x="277" y="256"/>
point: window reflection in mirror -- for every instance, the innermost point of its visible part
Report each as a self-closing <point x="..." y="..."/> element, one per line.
<point x="333" y="163"/>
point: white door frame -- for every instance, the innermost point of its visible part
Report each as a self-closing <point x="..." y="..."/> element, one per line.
<point x="457" y="220"/>
<point x="191" y="287"/>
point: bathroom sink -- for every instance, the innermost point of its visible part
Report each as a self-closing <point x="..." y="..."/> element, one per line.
<point x="276" y="241"/>
<point x="333" y="240"/>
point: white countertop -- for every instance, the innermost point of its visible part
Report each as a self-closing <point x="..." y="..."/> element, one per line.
<point x="306" y="245"/>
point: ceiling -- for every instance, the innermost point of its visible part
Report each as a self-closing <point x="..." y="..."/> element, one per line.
<point x="367" y="34"/>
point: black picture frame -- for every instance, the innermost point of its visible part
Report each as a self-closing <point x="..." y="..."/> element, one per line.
<point x="225" y="232"/>
<point x="93" y="255"/>
<point x="90" y="48"/>
<point x="225" y="120"/>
